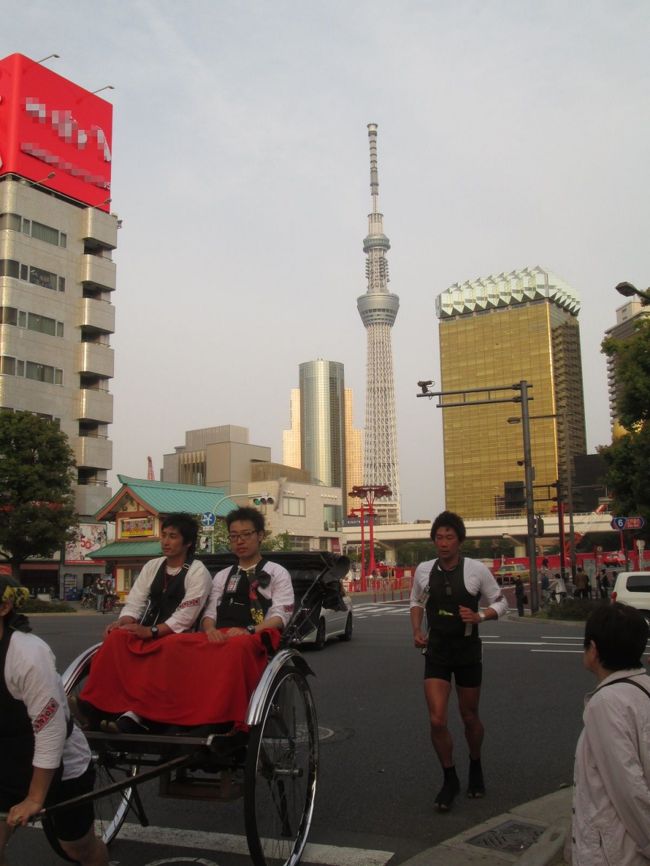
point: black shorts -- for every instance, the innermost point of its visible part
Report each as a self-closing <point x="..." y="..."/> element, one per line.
<point x="69" y="824"/>
<point x="72" y="824"/>
<point x="466" y="676"/>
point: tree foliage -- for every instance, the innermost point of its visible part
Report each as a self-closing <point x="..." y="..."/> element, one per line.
<point x="628" y="457"/>
<point x="37" y="513"/>
<point x="632" y="364"/>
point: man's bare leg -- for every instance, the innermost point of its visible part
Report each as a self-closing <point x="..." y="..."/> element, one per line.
<point x="436" y="692"/>
<point x="468" y="701"/>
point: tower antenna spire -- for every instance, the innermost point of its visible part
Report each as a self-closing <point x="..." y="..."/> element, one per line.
<point x="378" y="309"/>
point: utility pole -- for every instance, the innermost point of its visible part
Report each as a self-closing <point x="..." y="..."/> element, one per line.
<point x="494" y="395"/>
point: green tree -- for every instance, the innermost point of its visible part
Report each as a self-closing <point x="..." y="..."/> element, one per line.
<point x="628" y="457"/>
<point x="37" y="513"/>
<point x="277" y="542"/>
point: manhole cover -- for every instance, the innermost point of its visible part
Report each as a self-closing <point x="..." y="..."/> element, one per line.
<point x="512" y="837"/>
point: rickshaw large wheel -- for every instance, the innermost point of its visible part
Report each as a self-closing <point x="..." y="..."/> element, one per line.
<point x="110" y="766"/>
<point x="281" y="769"/>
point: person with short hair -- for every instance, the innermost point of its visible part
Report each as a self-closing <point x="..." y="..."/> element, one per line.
<point x="45" y="758"/>
<point x="611" y="805"/>
<point x="450" y="588"/>
<point x="253" y="595"/>
<point x="166" y="599"/>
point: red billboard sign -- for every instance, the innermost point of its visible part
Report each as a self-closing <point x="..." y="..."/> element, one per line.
<point x="51" y="126"/>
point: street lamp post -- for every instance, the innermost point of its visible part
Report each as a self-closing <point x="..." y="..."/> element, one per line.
<point x="628" y="291"/>
<point x="530" y="504"/>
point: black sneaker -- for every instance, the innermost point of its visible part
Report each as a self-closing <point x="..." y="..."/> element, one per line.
<point x="449" y="790"/>
<point x="127" y="723"/>
<point x="476" y="783"/>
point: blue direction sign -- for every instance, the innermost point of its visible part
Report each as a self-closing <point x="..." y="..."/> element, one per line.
<point x="207" y="518"/>
<point x="621" y="523"/>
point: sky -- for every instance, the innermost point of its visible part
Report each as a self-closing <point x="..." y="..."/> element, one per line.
<point x="512" y="133"/>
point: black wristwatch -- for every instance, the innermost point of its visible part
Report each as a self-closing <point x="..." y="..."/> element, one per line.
<point x="154" y="631"/>
<point x="250" y="629"/>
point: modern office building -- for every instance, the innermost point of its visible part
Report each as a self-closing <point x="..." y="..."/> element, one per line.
<point x="627" y="318"/>
<point x="57" y="275"/>
<point x="378" y="310"/>
<point x="496" y="331"/>
<point x="215" y="457"/>
<point x="322" y="439"/>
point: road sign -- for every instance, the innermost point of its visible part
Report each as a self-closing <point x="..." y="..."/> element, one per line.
<point x="207" y="518"/>
<point x="621" y="523"/>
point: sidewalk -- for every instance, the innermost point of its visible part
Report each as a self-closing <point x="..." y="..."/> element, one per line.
<point x="532" y="834"/>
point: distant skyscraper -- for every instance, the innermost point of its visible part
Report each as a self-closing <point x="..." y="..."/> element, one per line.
<point x="322" y="439"/>
<point x="378" y="309"/>
<point x="496" y="331"/>
<point x="627" y="318"/>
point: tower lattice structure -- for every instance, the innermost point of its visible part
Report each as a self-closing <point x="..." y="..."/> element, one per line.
<point x="378" y="310"/>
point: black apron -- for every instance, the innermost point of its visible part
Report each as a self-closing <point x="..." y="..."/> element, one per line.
<point x="451" y="642"/>
<point x="241" y="604"/>
<point x="165" y="594"/>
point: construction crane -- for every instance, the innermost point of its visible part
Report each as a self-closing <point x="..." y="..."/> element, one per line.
<point x="150" y="473"/>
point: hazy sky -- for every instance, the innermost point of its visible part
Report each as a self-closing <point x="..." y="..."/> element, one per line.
<point x="511" y="133"/>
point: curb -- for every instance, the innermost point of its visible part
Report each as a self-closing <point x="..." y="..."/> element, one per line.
<point x="551" y="813"/>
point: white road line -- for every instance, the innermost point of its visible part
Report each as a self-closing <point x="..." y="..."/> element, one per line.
<point x="578" y="652"/>
<point x="513" y="643"/>
<point x="561" y="637"/>
<point x="325" y="855"/>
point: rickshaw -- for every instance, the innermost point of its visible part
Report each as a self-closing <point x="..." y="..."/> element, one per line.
<point x="273" y="765"/>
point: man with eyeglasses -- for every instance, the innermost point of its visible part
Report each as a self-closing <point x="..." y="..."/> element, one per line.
<point x="253" y="595"/>
<point x="449" y="588"/>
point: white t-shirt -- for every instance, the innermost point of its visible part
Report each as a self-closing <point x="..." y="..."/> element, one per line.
<point x="478" y="580"/>
<point x="31" y="677"/>
<point x="279" y="591"/>
<point x="197" y="588"/>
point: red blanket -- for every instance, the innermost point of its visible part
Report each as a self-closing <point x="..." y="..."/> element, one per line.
<point x="181" y="679"/>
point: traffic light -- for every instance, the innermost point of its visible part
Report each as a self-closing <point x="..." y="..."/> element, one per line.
<point x="262" y="500"/>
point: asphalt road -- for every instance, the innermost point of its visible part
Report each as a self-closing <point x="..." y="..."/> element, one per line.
<point x="378" y="777"/>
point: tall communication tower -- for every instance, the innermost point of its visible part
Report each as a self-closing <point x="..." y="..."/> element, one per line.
<point x="378" y="309"/>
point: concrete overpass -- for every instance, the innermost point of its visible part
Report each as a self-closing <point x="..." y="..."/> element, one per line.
<point x="388" y="536"/>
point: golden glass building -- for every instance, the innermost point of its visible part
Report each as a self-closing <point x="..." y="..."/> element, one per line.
<point x="494" y="332"/>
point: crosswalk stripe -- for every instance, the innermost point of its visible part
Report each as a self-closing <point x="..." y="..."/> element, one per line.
<point x="322" y="855"/>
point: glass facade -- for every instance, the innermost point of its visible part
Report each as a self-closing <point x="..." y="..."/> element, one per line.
<point x="534" y="340"/>
<point x="322" y="421"/>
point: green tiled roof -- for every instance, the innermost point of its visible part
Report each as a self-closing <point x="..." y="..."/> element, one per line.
<point x="122" y="549"/>
<point x="163" y="497"/>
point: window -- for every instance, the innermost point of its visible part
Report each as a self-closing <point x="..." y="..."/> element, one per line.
<point x="41" y="323"/>
<point x="8" y="316"/>
<point x="33" y="229"/>
<point x="45" y="233"/>
<point x="46" y="279"/>
<point x="293" y="507"/>
<point x="10" y="221"/>
<point x="43" y="373"/>
<point x="8" y="268"/>
<point x="7" y="365"/>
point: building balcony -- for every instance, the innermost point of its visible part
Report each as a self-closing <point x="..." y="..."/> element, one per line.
<point x="98" y="271"/>
<point x="96" y="315"/>
<point x="95" y="405"/>
<point x="93" y="452"/>
<point x="99" y="228"/>
<point x="96" y="359"/>
<point x="89" y="498"/>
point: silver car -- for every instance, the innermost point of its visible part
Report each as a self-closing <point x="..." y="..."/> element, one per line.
<point x="332" y="623"/>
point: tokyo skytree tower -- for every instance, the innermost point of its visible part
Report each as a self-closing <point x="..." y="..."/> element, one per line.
<point x="378" y="309"/>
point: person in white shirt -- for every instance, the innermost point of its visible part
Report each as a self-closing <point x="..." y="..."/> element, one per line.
<point x="449" y="588"/>
<point x="45" y="758"/>
<point x="611" y="806"/>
